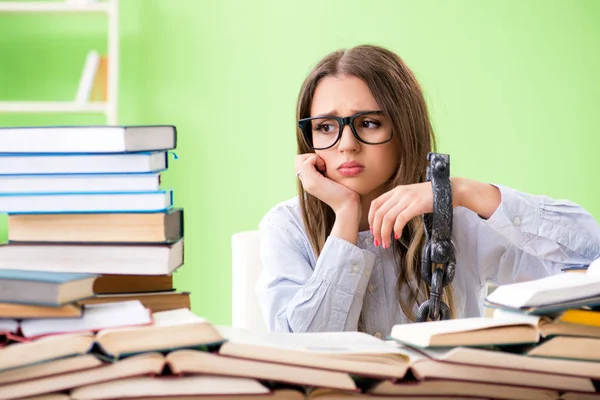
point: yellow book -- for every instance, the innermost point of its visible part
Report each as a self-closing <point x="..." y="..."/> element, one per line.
<point x="581" y="317"/>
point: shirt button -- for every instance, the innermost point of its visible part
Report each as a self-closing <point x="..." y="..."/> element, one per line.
<point x="367" y="272"/>
<point x="372" y="288"/>
<point x="367" y="242"/>
<point x="517" y="220"/>
<point x="378" y="335"/>
<point x="354" y="268"/>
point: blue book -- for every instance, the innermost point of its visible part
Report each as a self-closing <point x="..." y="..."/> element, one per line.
<point x="41" y="164"/>
<point x="44" y="288"/>
<point x="90" y="202"/>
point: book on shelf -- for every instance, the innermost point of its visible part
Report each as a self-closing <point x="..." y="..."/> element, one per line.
<point x="167" y="226"/>
<point x="87" y="202"/>
<point x="99" y="92"/>
<point x="44" y="164"/>
<point x="87" y="139"/>
<point x="79" y="183"/>
<point x="113" y="258"/>
<point x="44" y="288"/>
<point x="88" y="75"/>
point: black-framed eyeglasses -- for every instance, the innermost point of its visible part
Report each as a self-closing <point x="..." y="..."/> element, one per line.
<point x="323" y="132"/>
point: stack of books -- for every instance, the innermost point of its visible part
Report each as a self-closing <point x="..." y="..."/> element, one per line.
<point x="87" y="199"/>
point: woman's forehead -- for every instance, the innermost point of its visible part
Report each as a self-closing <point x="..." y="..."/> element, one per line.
<point x="342" y="95"/>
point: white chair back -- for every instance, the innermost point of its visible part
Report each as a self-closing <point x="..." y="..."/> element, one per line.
<point x="246" y="267"/>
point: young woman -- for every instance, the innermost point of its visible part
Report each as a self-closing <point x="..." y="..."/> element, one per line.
<point x="345" y="254"/>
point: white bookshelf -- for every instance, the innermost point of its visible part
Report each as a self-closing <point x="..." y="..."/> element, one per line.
<point x="108" y="108"/>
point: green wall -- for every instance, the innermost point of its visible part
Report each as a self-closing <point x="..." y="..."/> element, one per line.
<point x="512" y="85"/>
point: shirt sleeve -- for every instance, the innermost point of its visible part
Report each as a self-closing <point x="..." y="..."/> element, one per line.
<point x="293" y="296"/>
<point x="529" y="237"/>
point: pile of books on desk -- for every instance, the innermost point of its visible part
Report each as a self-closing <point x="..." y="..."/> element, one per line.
<point x="87" y="199"/>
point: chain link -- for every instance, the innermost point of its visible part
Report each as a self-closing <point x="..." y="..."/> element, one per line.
<point x="438" y="261"/>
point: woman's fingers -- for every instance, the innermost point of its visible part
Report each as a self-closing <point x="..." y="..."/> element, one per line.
<point x="376" y="204"/>
<point x="382" y="216"/>
<point x="389" y="222"/>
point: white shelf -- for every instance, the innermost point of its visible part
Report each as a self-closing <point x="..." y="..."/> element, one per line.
<point x="52" y="7"/>
<point x="33" y="107"/>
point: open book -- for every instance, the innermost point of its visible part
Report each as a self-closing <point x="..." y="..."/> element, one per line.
<point x="552" y="293"/>
<point x="356" y="353"/>
<point x="173" y="329"/>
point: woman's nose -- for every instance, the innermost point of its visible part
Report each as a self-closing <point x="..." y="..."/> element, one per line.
<point x="348" y="142"/>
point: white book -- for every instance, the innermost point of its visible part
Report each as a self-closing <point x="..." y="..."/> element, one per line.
<point x="87" y="139"/>
<point x="87" y="77"/>
<point x="47" y="203"/>
<point x="134" y="259"/>
<point x="79" y="183"/>
<point x="95" y="317"/>
<point x="554" y="289"/>
<point x="40" y="164"/>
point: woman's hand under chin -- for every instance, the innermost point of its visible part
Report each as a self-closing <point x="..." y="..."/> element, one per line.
<point x="390" y="212"/>
<point x="311" y="170"/>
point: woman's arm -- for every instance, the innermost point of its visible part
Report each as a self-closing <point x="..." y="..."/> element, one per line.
<point x="293" y="296"/>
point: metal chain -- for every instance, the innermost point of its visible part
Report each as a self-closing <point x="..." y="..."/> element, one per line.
<point x="438" y="260"/>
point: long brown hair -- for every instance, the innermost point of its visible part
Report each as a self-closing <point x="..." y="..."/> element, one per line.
<point x="400" y="97"/>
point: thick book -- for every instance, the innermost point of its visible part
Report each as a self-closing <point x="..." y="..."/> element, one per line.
<point x="129" y="259"/>
<point x="476" y="331"/>
<point x="63" y="365"/>
<point x="87" y="139"/>
<point x="552" y="293"/>
<point x="44" y="288"/>
<point x="21" y="311"/>
<point x="79" y="183"/>
<point x="42" y="164"/>
<point x="156" y="301"/>
<point x="356" y="353"/>
<point x="184" y="387"/>
<point x="90" y="202"/>
<point x="160" y="227"/>
<point x="114" y="284"/>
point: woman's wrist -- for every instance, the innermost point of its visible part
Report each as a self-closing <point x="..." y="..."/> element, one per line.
<point x="347" y="219"/>
<point x="481" y="198"/>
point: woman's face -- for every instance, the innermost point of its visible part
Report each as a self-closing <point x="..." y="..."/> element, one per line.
<point x="343" y="96"/>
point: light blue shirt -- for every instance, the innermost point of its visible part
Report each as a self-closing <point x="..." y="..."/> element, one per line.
<point x="527" y="237"/>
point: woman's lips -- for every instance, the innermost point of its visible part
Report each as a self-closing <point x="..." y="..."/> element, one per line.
<point x="351" y="168"/>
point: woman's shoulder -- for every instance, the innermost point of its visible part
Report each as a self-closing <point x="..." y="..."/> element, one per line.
<point x="285" y="213"/>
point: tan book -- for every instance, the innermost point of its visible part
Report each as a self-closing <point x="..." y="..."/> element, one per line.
<point x="461" y="389"/>
<point x="476" y="331"/>
<point x="20" y="311"/>
<point x="519" y="362"/>
<point x="328" y="394"/>
<point x="155" y="301"/>
<point x="199" y="362"/>
<point x="49" y="396"/>
<point x="47" y="368"/>
<point x="427" y="369"/>
<point x="101" y="227"/>
<point x="113" y="284"/>
<point x="352" y="352"/>
<point x="145" y="386"/>
<point x="578" y="348"/>
<point x="143" y="364"/>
